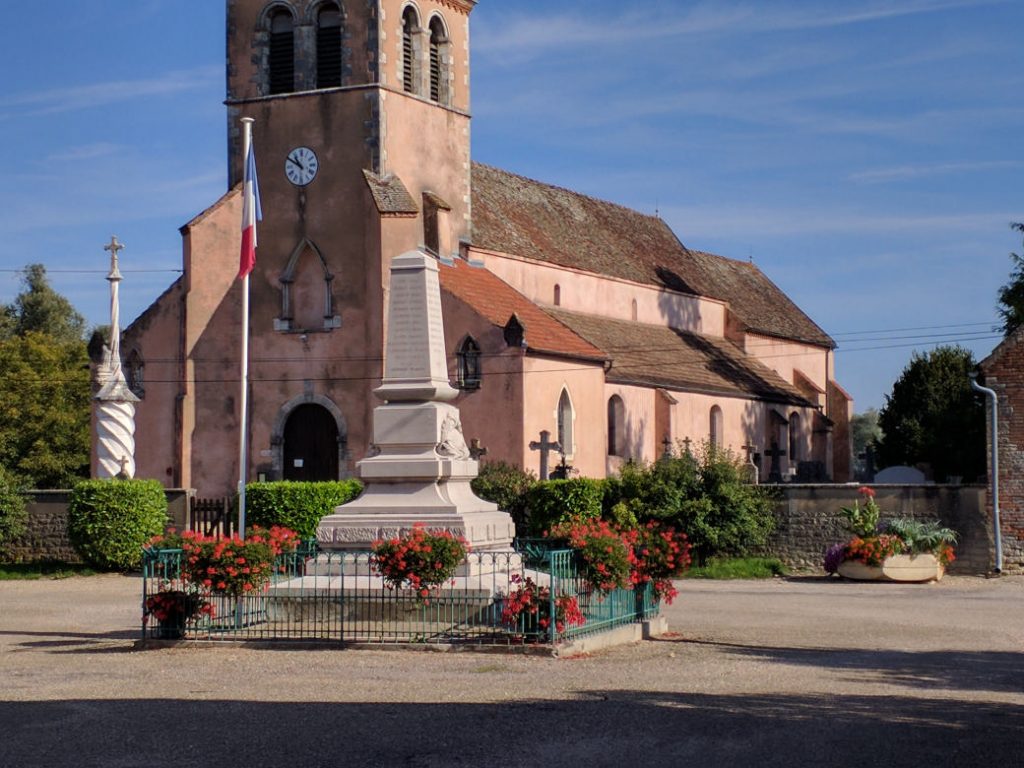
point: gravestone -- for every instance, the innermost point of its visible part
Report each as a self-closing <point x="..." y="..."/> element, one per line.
<point x="775" y="473"/>
<point x="545" y="446"/>
<point x="901" y="476"/>
<point x="423" y="469"/>
<point x="749" y="470"/>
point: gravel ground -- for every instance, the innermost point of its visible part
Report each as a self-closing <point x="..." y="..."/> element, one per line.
<point x="774" y="673"/>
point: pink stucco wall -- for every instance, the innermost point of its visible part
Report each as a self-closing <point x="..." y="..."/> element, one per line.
<point x="584" y="292"/>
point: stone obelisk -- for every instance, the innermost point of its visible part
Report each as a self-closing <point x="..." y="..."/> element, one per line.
<point x="423" y="470"/>
<point x="115" y="402"/>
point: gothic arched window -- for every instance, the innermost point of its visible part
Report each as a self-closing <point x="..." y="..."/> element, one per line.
<point x="439" y="90"/>
<point x="328" y="46"/>
<point x="616" y="426"/>
<point x="468" y="358"/>
<point x="410" y="70"/>
<point x="281" y="55"/>
<point x="794" y="438"/>
<point x="565" y="423"/>
<point x="716" y="427"/>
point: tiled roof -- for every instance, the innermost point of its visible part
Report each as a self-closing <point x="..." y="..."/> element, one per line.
<point x="656" y="356"/>
<point x="390" y="195"/>
<point x="523" y="217"/>
<point x="756" y="300"/>
<point x="497" y="301"/>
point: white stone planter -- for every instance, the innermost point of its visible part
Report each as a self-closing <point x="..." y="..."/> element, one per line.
<point x="912" y="568"/>
<point x="905" y="568"/>
<point x="853" y="569"/>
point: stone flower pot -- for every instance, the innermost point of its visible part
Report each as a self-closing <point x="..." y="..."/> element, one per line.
<point x="924" y="567"/>
<point x="905" y="568"/>
<point x="856" y="570"/>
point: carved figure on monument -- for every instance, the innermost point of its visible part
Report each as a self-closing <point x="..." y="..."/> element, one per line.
<point x="453" y="442"/>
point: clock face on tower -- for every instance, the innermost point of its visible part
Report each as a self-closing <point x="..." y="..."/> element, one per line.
<point x="301" y="166"/>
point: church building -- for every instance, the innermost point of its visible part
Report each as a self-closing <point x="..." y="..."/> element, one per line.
<point x="562" y="313"/>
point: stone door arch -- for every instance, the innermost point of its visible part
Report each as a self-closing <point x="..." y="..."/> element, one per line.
<point x="310" y="441"/>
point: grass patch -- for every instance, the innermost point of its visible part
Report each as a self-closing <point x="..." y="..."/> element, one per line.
<point x="738" y="568"/>
<point x="46" y="570"/>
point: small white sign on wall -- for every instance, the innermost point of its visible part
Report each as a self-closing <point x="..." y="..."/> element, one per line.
<point x="298" y="463"/>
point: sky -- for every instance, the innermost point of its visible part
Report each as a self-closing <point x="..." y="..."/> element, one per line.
<point x="866" y="155"/>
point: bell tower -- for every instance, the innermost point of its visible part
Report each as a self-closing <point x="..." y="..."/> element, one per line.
<point x="361" y="134"/>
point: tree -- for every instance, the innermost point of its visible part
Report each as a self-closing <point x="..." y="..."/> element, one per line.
<point x="44" y="389"/>
<point x="933" y="416"/>
<point x="864" y="431"/>
<point x="1011" y="295"/>
<point x="39" y="308"/>
<point x="44" y="410"/>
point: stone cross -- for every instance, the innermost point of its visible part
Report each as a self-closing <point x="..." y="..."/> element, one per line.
<point x="545" y="446"/>
<point x="775" y="473"/>
<point x="686" y="444"/>
<point x="667" y="445"/>
<point x="476" y="451"/>
<point x="114" y="278"/>
<point x="753" y="473"/>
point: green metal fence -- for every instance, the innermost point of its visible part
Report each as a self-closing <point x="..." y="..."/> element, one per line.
<point x="339" y="598"/>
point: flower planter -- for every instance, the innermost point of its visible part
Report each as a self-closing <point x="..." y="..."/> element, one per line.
<point x="904" y="568"/>
<point x="912" y="568"/>
<point x="856" y="570"/>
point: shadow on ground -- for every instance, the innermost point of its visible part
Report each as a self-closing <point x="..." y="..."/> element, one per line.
<point x="997" y="671"/>
<point x="600" y="728"/>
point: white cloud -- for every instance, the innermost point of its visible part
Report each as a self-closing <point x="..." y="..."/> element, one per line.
<point x="523" y="35"/>
<point x="85" y="152"/>
<point x="912" y="172"/>
<point x="73" y="98"/>
<point x="691" y="222"/>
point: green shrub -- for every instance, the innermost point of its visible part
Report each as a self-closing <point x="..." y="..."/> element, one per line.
<point x="295" y="505"/>
<point x="110" y="520"/>
<point x="506" y="485"/>
<point x="704" y="495"/>
<point x="13" y="514"/>
<point x="556" y="502"/>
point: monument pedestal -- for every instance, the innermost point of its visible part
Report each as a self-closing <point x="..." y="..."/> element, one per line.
<point x="423" y="470"/>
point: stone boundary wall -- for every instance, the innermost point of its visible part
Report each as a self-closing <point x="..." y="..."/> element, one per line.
<point x="46" y="537"/>
<point x="808" y="520"/>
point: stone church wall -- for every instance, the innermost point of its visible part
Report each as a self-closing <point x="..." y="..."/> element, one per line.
<point x="808" y="520"/>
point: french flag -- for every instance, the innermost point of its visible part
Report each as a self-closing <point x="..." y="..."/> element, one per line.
<point x="251" y="213"/>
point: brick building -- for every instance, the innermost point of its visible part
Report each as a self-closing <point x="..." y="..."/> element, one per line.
<point x="562" y="313"/>
<point x="1004" y="373"/>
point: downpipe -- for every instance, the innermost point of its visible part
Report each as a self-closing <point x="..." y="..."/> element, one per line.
<point x="994" y="399"/>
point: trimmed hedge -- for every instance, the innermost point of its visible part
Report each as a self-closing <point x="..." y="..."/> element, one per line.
<point x="562" y="501"/>
<point x="13" y="512"/>
<point x="109" y="521"/>
<point x="295" y="505"/>
<point x="506" y="485"/>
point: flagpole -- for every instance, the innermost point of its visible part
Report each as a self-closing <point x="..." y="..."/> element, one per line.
<point x="243" y="396"/>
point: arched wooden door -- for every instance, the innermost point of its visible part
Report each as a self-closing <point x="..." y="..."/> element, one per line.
<point x="310" y="444"/>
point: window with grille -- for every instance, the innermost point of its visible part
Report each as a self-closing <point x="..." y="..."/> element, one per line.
<point x="565" y="423"/>
<point x="328" y="47"/>
<point x="437" y="39"/>
<point x="616" y="426"/>
<point x="410" y="23"/>
<point x="715" y="433"/>
<point x="281" y="58"/>
<point x="469" y="364"/>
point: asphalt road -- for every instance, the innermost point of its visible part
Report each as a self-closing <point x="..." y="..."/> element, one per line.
<point x="779" y="673"/>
